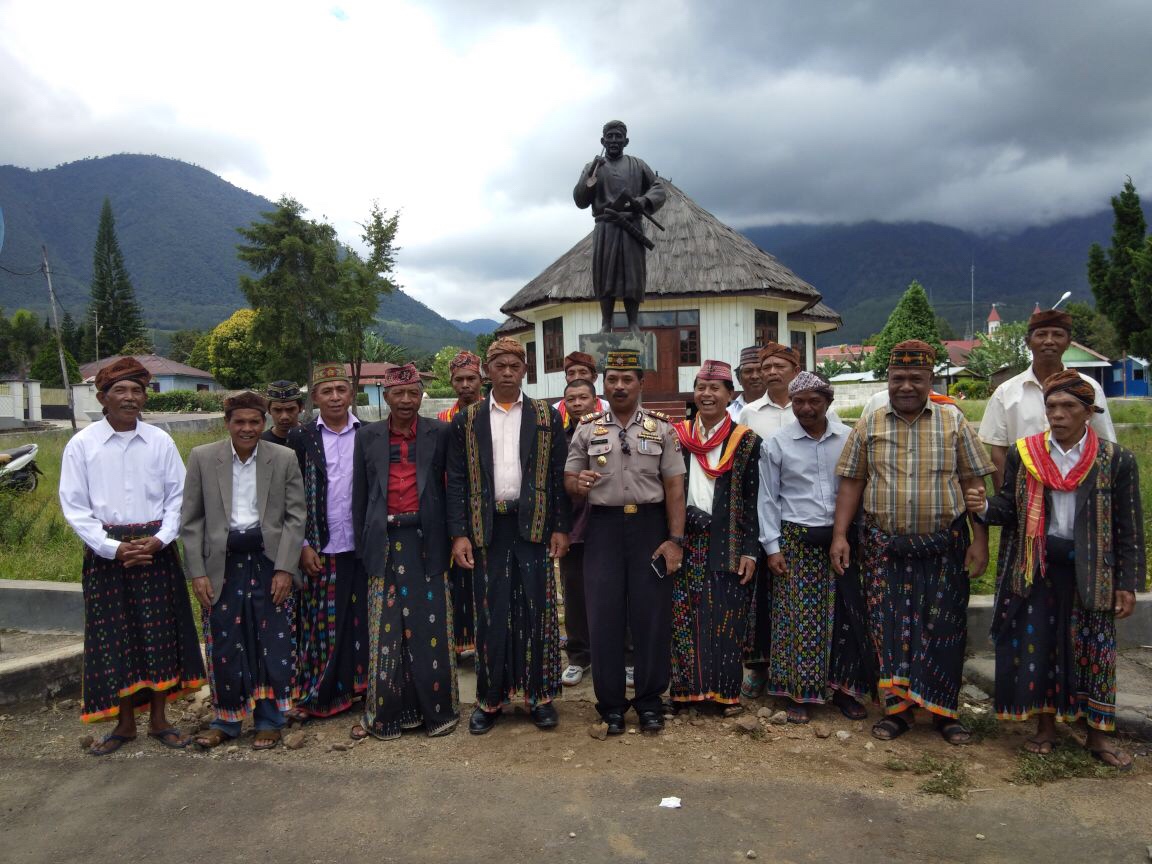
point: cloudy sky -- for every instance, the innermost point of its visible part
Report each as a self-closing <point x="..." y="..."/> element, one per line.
<point x="474" y="117"/>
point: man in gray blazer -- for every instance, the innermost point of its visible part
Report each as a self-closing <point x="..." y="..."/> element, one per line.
<point x="242" y="524"/>
<point x="400" y="524"/>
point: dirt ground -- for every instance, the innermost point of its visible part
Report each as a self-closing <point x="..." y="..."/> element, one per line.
<point x="783" y="792"/>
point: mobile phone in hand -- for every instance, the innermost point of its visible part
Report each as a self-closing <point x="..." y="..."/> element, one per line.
<point x="660" y="566"/>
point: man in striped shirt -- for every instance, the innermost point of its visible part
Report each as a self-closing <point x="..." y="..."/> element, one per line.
<point x="910" y="464"/>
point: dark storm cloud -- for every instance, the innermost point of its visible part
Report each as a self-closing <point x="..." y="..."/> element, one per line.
<point x="845" y="111"/>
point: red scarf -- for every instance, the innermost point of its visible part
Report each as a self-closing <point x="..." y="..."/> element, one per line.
<point x="1043" y="474"/>
<point x="690" y="441"/>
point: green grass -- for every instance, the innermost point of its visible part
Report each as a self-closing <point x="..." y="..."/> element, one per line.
<point x="1066" y="761"/>
<point x="944" y="776"/>
<point x="35" y="541"/>
<point x="1130" y="410"/>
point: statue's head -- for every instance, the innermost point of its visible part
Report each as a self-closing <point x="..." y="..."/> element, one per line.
<point x="614" y="138"/>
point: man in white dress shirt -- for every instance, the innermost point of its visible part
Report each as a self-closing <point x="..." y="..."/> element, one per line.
<point x="121" y="482"/>
<point x="751" y="380"/>
<point x="508" y="515"/>
<point x="1016" y="409"/>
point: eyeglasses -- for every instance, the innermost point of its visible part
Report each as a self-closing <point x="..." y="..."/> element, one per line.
<point x="624" y="443"/>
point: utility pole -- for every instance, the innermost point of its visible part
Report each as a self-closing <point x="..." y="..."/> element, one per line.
<point x="59" y="341"/>
<point x="972" y="302"/>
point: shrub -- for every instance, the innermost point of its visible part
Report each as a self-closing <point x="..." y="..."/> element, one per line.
<point x="361" y="398"/>
<point x="185" y="401"/>
<point x="971" y="388"/>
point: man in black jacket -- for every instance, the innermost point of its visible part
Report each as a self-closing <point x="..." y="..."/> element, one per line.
<point x="508" y="516"/>
<point x="399" y="522"/>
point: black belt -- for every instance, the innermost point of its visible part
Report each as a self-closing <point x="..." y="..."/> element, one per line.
<point x="1059" y="548"/>
<point x="812" y="535"/>
<point x="404" y="520"/>
<point x="507" y="508"/>
<point x="627" y="509"/>
<point x="246" y="540"/>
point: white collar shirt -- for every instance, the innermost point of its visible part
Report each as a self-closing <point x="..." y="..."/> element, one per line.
<point x="108" y="478"/>
<point x="1062" y="519"/>
<point x="1016" y="410"/>
<point x="702" y="487"/>
<point x="245" y="510"/>
<point x="505" y="425"/>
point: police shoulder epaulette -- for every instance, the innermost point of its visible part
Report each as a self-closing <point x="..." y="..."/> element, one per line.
<point x="595" y="415"/>
<point x="659" y="415"/>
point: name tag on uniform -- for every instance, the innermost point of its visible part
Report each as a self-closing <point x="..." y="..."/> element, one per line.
<point x="596" y="441"/>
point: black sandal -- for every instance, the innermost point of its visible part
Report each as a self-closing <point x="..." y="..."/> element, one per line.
<point x="891" y="727"/>
<point x="953" y="731"/>
<point x="848" y="706"/>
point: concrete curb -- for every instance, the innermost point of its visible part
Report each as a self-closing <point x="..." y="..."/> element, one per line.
<point x="1133" y="632"/>
<point x="43" y="677"/>
<point x="1131" y="718"/>
<point x="38" y="607"/>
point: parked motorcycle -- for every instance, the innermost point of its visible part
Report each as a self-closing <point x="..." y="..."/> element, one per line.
<point x="18" y="468"/>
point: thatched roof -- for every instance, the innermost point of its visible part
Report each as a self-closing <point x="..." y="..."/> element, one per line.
<point x="513" y="324"/>
<point x="821" y="313"/>
<point x="697" y="255"/>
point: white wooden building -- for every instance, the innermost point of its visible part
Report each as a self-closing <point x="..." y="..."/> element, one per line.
<point x="710" y="293"/>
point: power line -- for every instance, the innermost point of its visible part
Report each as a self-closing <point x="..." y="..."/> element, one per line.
<point x="35" y="272"/>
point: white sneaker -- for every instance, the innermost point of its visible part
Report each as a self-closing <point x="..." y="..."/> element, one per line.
<point x="573" y="675"/>
<point x="630" y="676"/>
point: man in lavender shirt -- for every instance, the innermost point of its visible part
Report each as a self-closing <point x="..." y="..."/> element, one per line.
<point x="331" y="625"/>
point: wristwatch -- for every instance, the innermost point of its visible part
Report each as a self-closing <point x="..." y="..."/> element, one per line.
<point x="678" y="539"/>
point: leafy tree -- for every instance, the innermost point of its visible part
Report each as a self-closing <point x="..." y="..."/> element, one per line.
<point x="483" y="341"/>
<point x="25" y="336"/>
<point x="235" y="356"/>
<point x="183" y="344"/>
<point x="201" y="356"/>
<point x="113" y="302"/>
<point x="1092" y="329"/>
<point x="374" y="349"/>
<point x="440" y="364"/>
<point x="297" y="293"/>
<point x="138" y="346"/>
<point x="46" y="369"/>
<point x="830" y="368"/>
<point x="1004" y="348"/>
<point x="362" y="283"/>
<point x="6" y="361"/>
<point x="912" y="318"/>
<point x="1122" y="287"/>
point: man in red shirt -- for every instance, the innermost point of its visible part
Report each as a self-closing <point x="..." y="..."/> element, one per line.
<point x="400" y="525"/>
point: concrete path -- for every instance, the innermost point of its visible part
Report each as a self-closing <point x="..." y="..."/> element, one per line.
<point x="225" y="810"/>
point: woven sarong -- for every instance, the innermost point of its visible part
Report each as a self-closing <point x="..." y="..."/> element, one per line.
<point x="250" y="641"/>
<point x="139" y="634"/>
<point x="412" y="662"/>
<point x="517" y="627"/>
<point x="331" y="637"/>
<point x="917" y="595"/>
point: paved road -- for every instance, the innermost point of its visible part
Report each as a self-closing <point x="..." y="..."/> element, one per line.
<point x="209" y="810"/>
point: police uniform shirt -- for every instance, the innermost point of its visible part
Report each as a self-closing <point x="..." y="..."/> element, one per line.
<point x="632" y="461"/>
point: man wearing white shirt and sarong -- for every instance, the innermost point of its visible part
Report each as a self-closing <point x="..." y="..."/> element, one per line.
<point x="121" y="483"/>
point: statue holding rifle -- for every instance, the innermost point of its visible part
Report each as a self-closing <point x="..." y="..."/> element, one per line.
<point x="622" y="192"/>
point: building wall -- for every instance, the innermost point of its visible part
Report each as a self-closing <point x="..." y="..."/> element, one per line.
<point x="183" y="382"/>
<point x="727" y="324"/>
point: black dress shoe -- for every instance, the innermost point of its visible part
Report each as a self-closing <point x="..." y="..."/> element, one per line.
<point x="615" y="721"/>
<point x="544" y="716"/>
<point x="482" y="721"/>
<point x="651" y="721"/>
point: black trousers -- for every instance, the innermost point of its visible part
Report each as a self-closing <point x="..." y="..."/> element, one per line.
<point x="575" y="606"/>
<point x="623" y="593"/>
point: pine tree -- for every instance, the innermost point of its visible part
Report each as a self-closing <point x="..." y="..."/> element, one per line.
<point x="70" y="334"/>
<point x="113" y="299"/>
<point x="1119" y="282"/>
<point x="912" y="318"/>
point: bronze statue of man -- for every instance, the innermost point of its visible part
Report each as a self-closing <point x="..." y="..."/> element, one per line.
<point x="620" y="190"/>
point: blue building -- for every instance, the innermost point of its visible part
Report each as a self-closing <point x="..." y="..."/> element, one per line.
<point x="166" y="374"/>
<point x="1129" y="377"/>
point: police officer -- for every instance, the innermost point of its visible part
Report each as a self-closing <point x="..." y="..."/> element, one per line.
<point x="627" y="462"/>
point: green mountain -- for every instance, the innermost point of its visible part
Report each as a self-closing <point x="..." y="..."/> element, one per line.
<point x="177" y="228"/>
<point x="862" y="269"/>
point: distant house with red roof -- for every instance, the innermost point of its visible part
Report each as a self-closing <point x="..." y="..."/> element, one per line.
<point x="166" y="374"/>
